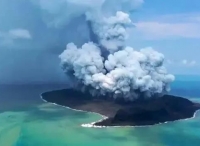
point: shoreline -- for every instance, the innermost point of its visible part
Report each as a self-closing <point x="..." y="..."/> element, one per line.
<point x="92" y="124"/>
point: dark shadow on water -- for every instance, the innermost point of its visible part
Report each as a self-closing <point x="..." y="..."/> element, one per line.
<point x="17" y="98"/>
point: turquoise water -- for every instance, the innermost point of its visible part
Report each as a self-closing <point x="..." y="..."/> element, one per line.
<point x="25" y="120"/>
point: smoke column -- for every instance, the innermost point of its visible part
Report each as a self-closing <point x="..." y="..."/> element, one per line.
<point x="105" y="65"/>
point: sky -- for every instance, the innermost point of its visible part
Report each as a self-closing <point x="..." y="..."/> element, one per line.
<point x="173" y="28"/>
<point x="34" y="32"/>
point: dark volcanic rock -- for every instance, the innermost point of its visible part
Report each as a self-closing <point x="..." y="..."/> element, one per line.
<point x="138" y="113"/>
<point x="153" y="111"/>
<point x="82" y="101"/>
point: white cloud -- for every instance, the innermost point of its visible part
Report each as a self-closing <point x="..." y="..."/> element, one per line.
<point x="154" y="30"/>
<point x="185" y="62"/>
<point x="19" y="34"/>
<point x="170" y="26"/>
<point x="8" y="38"/>
<point x="189" y="63"/>
<point x="181" y="63"/>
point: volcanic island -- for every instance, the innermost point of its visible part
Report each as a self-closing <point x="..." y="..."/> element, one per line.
<point x="121" y="113"/>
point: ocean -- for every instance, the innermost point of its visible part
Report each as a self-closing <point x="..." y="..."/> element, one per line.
<point x="25" y="120"/>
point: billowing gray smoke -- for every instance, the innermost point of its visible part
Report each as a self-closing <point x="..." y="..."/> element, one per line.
<point x="106" y="66"/>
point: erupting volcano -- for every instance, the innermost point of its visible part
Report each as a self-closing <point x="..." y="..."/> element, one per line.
<point x="127" y="85"/>
<point x="106" y="66"/>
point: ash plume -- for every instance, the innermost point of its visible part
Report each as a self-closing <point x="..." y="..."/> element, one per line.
<point x="105" y="65"/>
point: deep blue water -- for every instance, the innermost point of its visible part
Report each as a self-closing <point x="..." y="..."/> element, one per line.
<point x="186" y="86"/>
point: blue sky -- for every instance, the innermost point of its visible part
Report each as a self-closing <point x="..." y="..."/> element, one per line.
<point x="170" y="6"/>
<point x="172" y="27"/>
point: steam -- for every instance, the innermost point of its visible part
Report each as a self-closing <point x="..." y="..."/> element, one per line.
<point x="106" y="66"/>
<point x="111" y="31"/>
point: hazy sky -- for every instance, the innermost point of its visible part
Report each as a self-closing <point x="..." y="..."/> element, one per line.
<point x="29" y="47"/>
<point x="34" y="32"/>
<point x="172" y="27"/>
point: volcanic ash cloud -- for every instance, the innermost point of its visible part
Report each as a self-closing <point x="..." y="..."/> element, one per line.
<point x="108" y="67"/>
